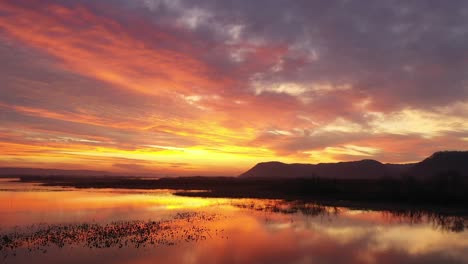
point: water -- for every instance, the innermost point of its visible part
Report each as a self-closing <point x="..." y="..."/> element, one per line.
<point x="65" y="225"/>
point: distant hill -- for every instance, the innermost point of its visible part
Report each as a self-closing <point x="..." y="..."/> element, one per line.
<point x="442" y="162"/>
<point x="448" y="161"/>
<point x="363" y="169"/>
<point x="11" y="171"/>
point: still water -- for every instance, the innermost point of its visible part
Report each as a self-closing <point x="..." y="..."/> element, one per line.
<point x="65" y="225"/>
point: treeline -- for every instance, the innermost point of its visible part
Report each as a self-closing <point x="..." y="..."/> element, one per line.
<point x="444" y="189"/>
<point x="447" y="188"/>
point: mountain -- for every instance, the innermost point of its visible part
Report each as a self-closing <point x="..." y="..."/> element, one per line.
<point x="11" y="171"/>
<point x="362" y="169"/>
<point x="439" y="162"/>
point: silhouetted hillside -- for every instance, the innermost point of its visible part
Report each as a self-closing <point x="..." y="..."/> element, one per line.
<point x="360" y="181"/>
<point x="440" y="162"/>
<point x="364" y="169"/>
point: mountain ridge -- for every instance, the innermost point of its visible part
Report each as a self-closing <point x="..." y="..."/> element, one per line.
<point x="439" y="162"/>
<point x="453" y="162"/>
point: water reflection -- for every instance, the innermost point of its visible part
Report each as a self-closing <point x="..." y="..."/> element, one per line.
<point x="136" y="227"/>
<point x="445" y="222"/>
<point x="286" y="207"/>
<point x="439" y="221"/>
<point x="188" y="227"/>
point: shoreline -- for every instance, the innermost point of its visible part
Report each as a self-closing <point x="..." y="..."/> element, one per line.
<point x="357" y="194"/>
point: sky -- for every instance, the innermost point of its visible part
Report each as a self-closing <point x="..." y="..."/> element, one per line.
<point x="174" y="87"/>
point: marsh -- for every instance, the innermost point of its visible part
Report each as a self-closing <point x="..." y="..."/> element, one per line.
<point x="63" y="224"/>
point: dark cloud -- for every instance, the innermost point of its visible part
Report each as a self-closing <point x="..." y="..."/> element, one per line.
<point x="399" y="53"/>
<point x="209" y="74"/>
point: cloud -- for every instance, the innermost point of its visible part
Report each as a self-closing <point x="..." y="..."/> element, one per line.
<point x="219" y="76"/>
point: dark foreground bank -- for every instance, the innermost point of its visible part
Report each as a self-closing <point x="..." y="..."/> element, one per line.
<point x="443" y="190"/>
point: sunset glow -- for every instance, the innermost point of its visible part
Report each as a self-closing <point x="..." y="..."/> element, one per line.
<point x="178" y="88"/>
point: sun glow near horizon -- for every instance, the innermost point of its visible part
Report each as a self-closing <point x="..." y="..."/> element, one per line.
<point x="189" y="89"/>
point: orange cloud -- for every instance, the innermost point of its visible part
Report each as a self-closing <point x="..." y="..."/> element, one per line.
<point x="101" y="48"/>
<point x="168" y="94"/>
